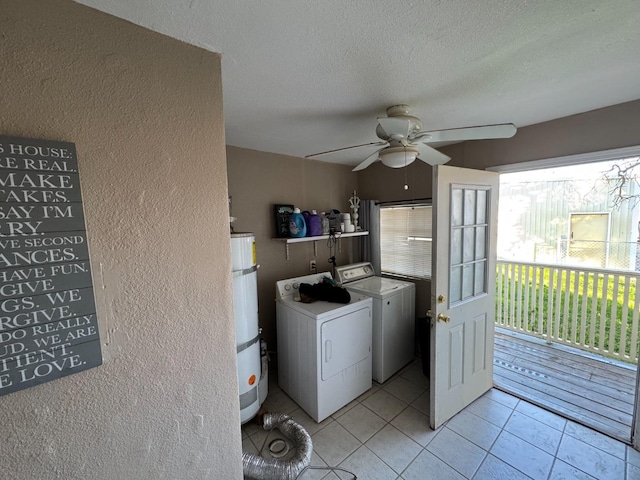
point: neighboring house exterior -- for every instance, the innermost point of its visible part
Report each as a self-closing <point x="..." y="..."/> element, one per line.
<point x="569" y="215"/>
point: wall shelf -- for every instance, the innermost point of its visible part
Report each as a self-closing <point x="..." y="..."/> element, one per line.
<point x="315" y="240"/>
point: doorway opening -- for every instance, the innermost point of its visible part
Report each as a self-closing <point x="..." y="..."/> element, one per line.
<point x="566" y="305"/>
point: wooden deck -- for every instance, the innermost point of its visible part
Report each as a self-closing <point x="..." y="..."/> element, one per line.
<point x="594" y="392"/>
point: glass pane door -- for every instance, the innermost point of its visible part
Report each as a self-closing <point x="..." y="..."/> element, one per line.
<point x="469" y="244"/>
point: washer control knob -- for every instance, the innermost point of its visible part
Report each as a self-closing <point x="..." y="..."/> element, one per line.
<point x="287" y="287"/>
<point x="295" y="285"/>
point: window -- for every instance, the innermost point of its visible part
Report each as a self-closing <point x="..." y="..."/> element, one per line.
<point x="405" y="240"/>
<point x="468" y="242"/>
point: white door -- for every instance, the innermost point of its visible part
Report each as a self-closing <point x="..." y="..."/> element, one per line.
<point x="465" y="212"/>
<point x="589" y="238"/>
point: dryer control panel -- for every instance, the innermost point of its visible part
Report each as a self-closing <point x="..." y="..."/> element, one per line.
<point x="288" y="289"/>
<point x="353" y="272"/>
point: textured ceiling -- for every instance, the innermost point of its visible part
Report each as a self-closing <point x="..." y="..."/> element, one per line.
<point x="303" y="77"/>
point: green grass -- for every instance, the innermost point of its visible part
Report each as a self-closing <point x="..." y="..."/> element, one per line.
<point x="603" y="314"/>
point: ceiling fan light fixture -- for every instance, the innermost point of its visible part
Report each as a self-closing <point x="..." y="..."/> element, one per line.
<point x="404" y="142"/>
<point x="398" y="157"/>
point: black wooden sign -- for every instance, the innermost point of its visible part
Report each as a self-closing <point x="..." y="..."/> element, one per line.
<point x="48" y="324"/>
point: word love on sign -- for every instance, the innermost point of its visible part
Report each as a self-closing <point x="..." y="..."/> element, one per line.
<point x="48" y="324"/>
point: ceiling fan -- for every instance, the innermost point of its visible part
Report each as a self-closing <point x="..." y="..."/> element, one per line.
<point x="403" y="142"/>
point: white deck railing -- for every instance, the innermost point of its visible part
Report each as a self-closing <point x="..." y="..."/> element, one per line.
<point x="592" y="309"/>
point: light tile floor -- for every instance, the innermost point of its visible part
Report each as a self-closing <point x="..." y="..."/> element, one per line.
<point x="385" y="434"/>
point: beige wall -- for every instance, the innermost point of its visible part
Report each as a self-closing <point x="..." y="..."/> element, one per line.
<point x="257" y="181"/>
<point x="604" y="129"/>
<point x="145" y="113"/>
<point x="385" y="184"/>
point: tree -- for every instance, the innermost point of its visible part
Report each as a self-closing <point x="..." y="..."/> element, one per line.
<point x="623" y="181"/>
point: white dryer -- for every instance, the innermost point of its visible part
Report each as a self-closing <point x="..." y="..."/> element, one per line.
<point x="394" y="311"/>
<point x="324" y="349"/>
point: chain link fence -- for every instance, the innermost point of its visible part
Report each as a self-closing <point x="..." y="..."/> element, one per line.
<point x="590" y="253"/>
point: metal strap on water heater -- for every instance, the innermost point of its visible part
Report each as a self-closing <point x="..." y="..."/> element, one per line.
<point x="245" y="345"/>
<point x="248" y="398"/>
<point x="245" y="271"/>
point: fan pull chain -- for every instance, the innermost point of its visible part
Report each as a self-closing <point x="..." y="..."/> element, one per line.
<point x="406" y="185"/>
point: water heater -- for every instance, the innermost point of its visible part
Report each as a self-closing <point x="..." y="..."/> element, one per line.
<point x="245" y="304"/>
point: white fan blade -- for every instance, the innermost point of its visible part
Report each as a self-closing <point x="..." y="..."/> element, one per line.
<point x="431" y="155"/>
<point x="505" y="130"/>
<point x="367" y="161"/>
<point x="377" y="144"/>
<point x="396" y="128"/>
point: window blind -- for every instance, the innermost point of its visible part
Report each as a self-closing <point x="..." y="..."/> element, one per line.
<point x="405" y="240"/>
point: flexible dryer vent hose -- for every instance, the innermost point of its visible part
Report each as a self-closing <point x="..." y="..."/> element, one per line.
<point x="260" y="468"/>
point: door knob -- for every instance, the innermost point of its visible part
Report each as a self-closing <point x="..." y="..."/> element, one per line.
<point x="443" y="318"/>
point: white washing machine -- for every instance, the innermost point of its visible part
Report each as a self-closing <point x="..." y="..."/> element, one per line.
<point x="394" y="311"/>
<point x="324" y="349"/>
